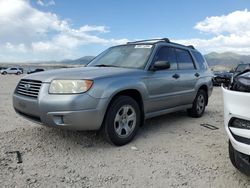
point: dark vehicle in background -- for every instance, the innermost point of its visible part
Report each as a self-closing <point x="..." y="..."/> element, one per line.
<point x="35" y="70"/>
<point x="1" y="68"/>
<point x="222" y="77"/>
<point x="241" y="68"/>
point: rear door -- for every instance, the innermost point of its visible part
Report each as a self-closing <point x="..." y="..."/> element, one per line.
<point x="162" y="85"/>
<point x="13" y="70"/>
<point x="189" y="76"/>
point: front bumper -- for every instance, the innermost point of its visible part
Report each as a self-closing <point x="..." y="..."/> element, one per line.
<point x="74" y="112"/>
<point x="242" y="161"/>
<point x="236" y="105"/>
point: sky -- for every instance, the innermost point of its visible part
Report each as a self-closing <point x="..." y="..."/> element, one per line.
<point x="44" y="30"/>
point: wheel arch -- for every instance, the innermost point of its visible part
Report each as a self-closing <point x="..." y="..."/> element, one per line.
<point x="133" y="93"/>
<point x="204" y="88"/>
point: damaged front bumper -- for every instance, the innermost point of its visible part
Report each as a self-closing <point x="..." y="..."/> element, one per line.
<point x="237" y="125"/>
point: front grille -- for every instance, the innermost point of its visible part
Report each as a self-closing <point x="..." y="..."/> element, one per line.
<point x="29" y="88"/>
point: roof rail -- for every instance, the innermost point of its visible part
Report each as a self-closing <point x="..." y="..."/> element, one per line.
<point x="161" y="40"/>
<point x="148" y="40"/>
<point x="191" y="46"/>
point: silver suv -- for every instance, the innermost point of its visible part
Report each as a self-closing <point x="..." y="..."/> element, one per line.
<point x="11" y="70"/>
<point x="119" y="89"/>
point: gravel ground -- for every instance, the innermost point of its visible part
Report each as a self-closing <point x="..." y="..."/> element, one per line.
<point x="168" y="151"/>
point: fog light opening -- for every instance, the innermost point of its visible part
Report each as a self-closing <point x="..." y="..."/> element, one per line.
<point x="58" y="119"/>
<point x="239" y="123"/>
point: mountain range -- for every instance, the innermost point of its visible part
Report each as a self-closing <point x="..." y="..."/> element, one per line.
<point x="227" y="59"/>
<point x="214" y="59"/>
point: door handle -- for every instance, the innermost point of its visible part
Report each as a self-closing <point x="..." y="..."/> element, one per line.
<point x="197" y="74"/>
<point x="176" y="76"/>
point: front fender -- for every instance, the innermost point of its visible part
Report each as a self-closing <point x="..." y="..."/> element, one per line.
<point x="107" y="88"/>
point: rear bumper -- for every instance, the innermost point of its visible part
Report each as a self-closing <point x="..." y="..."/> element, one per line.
<point x="74" y="112"/>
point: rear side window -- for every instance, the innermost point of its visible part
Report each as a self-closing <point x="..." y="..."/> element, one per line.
<point x="185" y="61"/>
<point x="167" y="54"/>
<point x="200" y="60"/>
<point x="13" y="69"/>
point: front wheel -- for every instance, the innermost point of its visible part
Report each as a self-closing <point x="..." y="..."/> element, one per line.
<point x="199" y="104"/>
<point x="122" y="121"/>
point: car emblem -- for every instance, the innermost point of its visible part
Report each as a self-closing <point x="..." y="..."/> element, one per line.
<point x="27" y="86"/>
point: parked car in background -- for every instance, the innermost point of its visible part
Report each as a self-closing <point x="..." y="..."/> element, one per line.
<point x="11" y="70"/>
<point x="1" y="68"/>
<point x="237" y="121"/>
<point x="222" y="77"/>
<point x="35" y="70"/>
<point x="118" y="89"/>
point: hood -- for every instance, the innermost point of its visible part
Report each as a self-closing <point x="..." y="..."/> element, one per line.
<point x="90" y="73"/>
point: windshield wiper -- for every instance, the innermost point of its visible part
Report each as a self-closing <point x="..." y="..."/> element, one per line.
<point x="103" y="65"/>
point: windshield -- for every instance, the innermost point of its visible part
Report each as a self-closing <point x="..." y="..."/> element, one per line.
<point x="242" y="67"/>
<point x="127" y="56"/>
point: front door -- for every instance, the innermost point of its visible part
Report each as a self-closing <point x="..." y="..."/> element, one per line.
<point x="163" y="85"/>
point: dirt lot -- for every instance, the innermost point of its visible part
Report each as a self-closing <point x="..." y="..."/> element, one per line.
<point x="169" y="151"/>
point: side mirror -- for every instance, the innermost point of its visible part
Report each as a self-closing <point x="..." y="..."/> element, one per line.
<point x="161" y="65"/>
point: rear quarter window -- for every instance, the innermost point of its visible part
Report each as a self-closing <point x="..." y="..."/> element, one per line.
<point x="202" y="64"/>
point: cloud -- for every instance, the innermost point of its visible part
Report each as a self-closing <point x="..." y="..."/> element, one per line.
<point x="34" y="33"/>
<point x="229" y="32"/>
<point x="46" y="3"/>
<point x="236" y="22"/>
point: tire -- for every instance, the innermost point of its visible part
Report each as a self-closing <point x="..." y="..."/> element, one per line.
<point x="4" y="73"/>
<point x="18" y="73"/>
<point x="231" y="154"/>
<point x="199" y="104"/>
<point x="122" y="121"/>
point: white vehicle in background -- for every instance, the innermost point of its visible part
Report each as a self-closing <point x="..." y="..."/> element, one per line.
<point x="12" y="70"/>
<point x="237" y="124"/>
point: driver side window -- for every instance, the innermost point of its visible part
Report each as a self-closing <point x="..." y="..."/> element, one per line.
<point x="167" y="54"/>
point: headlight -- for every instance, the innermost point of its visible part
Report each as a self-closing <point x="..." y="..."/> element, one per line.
<point x="69" y="86"/>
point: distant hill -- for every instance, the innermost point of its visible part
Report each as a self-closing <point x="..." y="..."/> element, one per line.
<point x="81" y="61"/>
<point x="227" y="59"/>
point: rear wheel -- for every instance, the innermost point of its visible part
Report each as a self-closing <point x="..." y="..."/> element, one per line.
<point x="4" y="73"/>
<point x="199" y="104"/>
<point x="122" y="121"/>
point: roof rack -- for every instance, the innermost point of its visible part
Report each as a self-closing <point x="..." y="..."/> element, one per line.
<point x="148" y="40"/>
<point x="161" y="40"/>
